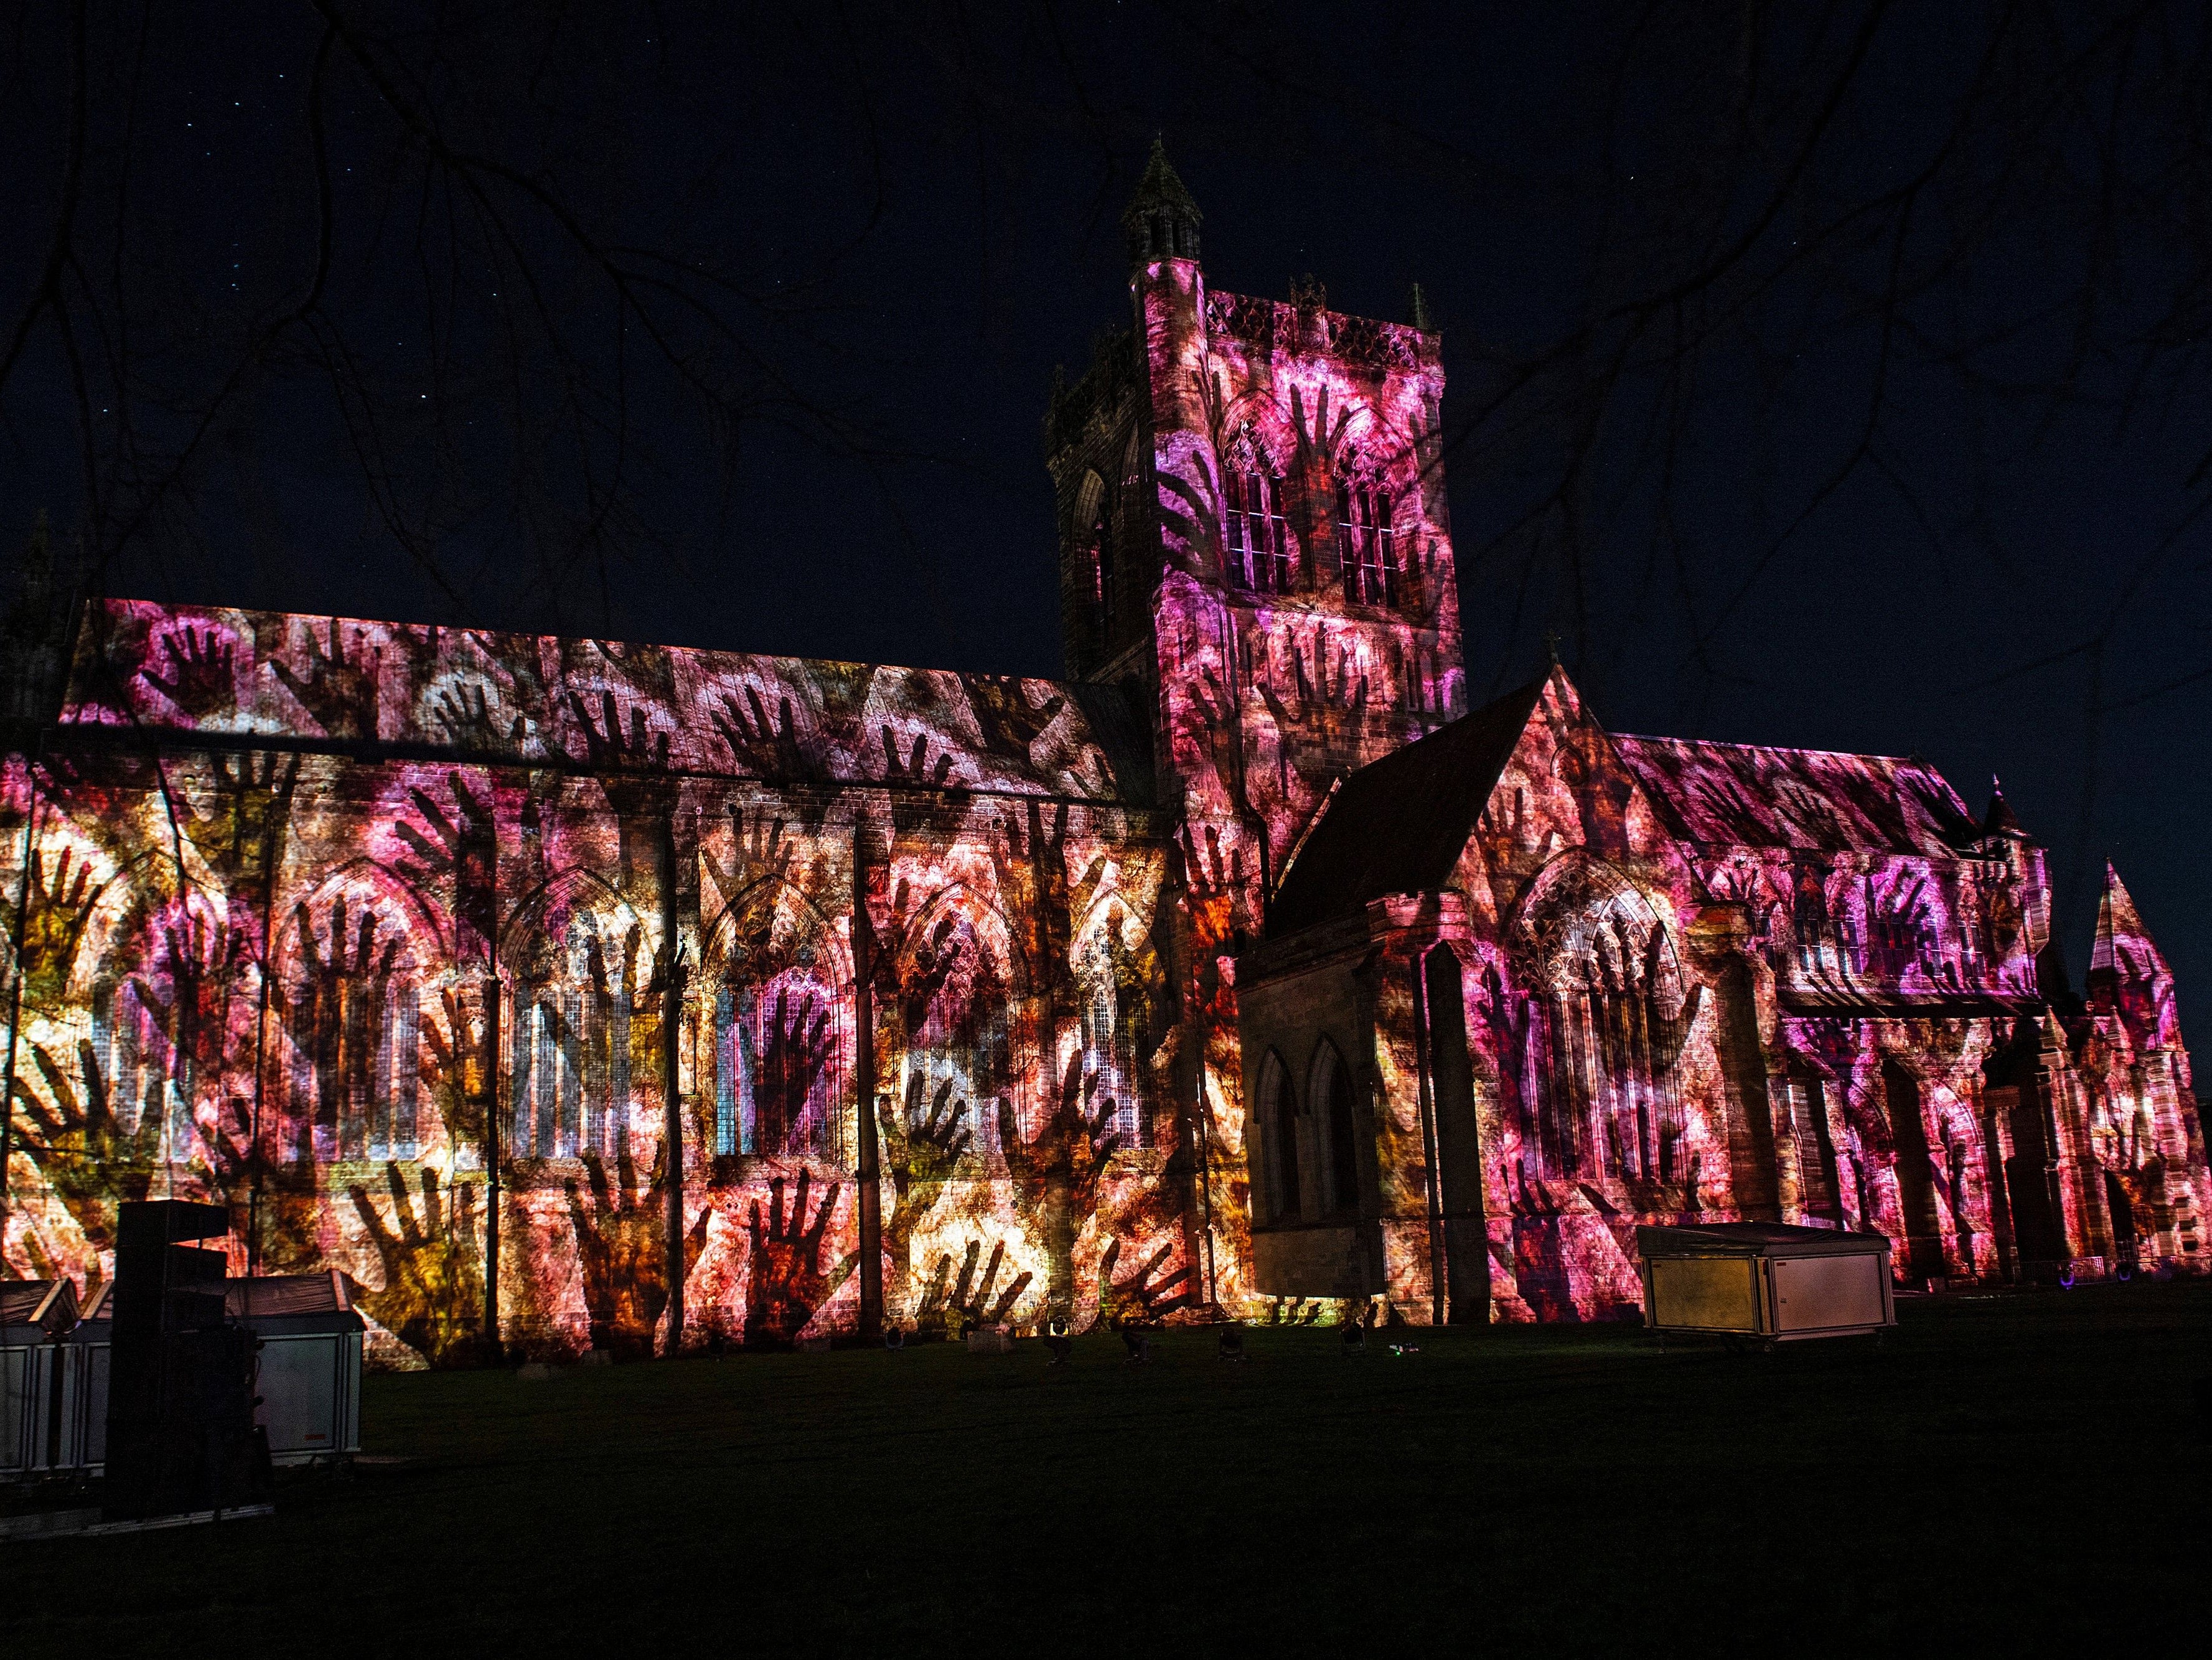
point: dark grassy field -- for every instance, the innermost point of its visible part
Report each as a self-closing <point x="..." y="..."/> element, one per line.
<point x="2024" y="1472"/>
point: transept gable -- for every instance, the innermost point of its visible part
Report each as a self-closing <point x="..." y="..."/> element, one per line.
<point x="1482" y="805"/>
<point x="1563" y="787"/>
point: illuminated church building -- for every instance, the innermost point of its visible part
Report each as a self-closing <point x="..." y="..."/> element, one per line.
<point x="617" y="995"/>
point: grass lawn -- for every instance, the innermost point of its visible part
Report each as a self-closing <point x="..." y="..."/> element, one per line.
<point x="2026" y="1471"/>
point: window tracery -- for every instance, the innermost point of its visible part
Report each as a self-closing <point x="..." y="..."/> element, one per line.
<point x="1278" y="1113"/>
<point x="1123" y="987"/>
<point x="779" y="1034"/>
<point x="1610" y="1014"/>
<point x="578" y="970"/>
<point x="1366" y="550"/>
<point x="351" y="1003"/>
<point x="1330" y="1094"/>
<point x="1258" y="530"/>
<point x="955" y="993"/>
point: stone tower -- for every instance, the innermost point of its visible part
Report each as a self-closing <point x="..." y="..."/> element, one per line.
<point x="1254" y="539"/>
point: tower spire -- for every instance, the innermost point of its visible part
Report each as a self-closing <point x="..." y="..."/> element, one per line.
<point x="1162" y="220"/>
<point x="1418" y="312"/>
<point x="2124" y="947"/>
<point x="2128" y="973"/>
<point x="2000" y="820"/>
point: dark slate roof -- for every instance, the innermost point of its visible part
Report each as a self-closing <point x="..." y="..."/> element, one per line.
<point x="1121" y="726"/>
<point x="1398" y="825"/>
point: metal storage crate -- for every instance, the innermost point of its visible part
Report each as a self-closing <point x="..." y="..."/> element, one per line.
<point x="309" y="1362"/>
<point x="1767" y="1281"/>
<point x="308" y="1376"/>
<point x="33" y="1314"/>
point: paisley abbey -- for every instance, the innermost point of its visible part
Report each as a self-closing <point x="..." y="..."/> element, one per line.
<point x="564" y="994"/>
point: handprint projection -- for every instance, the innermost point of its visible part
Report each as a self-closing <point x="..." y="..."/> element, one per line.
<point x="768" y="746"/>
<point x="1057" y="1173"/>
<point x="201" y="679"/>
<point x="185" y="994"/>
<point x="337" y="684"/>
<point x="1154" y="1287"/>
<point x="796" y="1050"/>
<point x="922" y="1149"/>
<point x="454" y="856"/>
<point x="238" y="826"/>
<point x="622" y="1249"/>
<point x="351" y="1017"/>
<point x="786" y="1280"/>
<point x="91" y="1159"/>
<point x="431" y="1255"/>
<point x="58" y="906"/>
<point x="456" y="1068"/>
<point x="968" y="1302"/>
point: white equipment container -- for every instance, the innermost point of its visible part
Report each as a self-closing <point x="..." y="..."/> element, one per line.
<point x="1765" y="1280"/>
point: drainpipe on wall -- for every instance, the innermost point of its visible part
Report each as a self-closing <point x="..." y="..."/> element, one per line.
<point x="1438" y="1279"/>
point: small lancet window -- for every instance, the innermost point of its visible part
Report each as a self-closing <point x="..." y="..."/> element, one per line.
<point x="1102" y="554"/>
<point x="1280" y="1178"/>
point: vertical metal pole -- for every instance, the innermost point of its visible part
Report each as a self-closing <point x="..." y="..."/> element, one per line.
<point x="868" y="1198"/>
<point x="1429" y="1148"/>
<point x="15" y="992"/>
<point x="671" y="1018"/>
<point x="259" y="1162"/>
<point x="491" y="1002"/>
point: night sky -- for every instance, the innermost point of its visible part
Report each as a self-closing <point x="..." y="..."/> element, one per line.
<point x="892" y="226"/>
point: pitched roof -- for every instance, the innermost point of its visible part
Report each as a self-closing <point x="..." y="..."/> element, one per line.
<point x="1398" y="825"/>
<point x="1749" y="795"/>
<point x="350" y="686"/>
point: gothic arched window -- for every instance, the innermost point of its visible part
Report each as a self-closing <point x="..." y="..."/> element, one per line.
<point x="1102" y="554"/>
<point x="1123" y="989"/>
<point x="1608" y="1018"/>
<point x="1816" y="1153"/>
<point x="955" y="1000"/>
<point x="162" y="1008"/>
<point x="776" y="985"/>
<point x="350" y="1001"/>
<point x="1258" y="544"/>
<point x="1364" y="545"/>
<point x="577" y="966"/>
<point x="777" y="1080"/>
